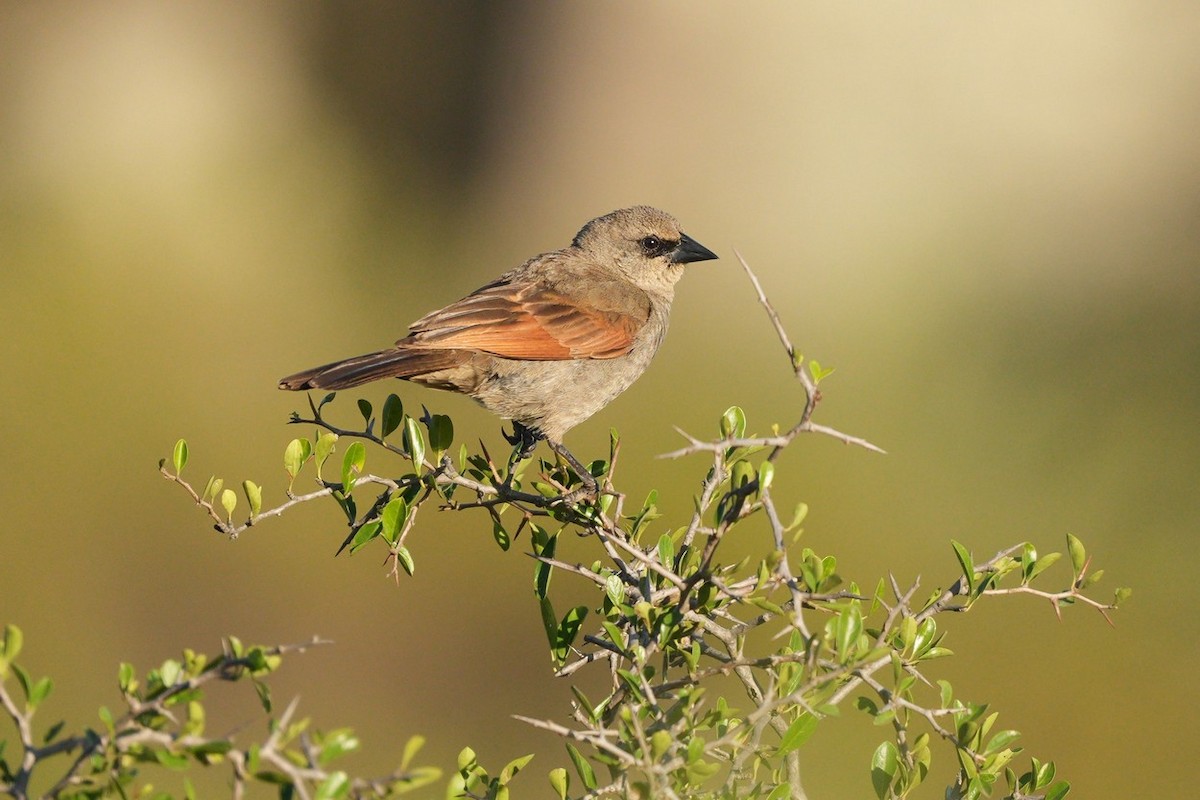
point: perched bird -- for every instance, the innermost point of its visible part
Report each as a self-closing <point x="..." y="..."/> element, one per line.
<point x="550" y="343"/>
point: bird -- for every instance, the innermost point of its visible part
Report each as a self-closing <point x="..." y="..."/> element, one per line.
<point x="549" y="343"/>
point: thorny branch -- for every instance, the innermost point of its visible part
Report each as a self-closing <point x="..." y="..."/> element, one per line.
<point x="675" y="617"/>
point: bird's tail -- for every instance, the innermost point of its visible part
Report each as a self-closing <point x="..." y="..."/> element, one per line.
<point x="395" y="362"/>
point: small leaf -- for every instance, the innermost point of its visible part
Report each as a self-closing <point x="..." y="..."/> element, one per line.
<point x="363" y="535"/>
<point x="411" y="747"/>
<point x="180" y="456"/>
<point x="733" y="423"/>
<point x="125" y="676"/>
<point x="568" y="629"/>
<point x="414" y="442"/>
<point x="352" y="465"/>
<point x="406" y="560"/>
<point x="586" y="774"/>
<point x="335" y="786"/>
<point x="1078" y="554"/>
<point x="766" y="475"/>
<point x="466" y="759"/>
<point x="849" y="628"/>
<point x="818" y="372"/>
<point x="884" y="763"/>
<point x="1058" y="791"/>
<point x="615" y="589"/>
<point x="40" y="691"/>
<point x="325" y="445"/>
<point x="441" y="435"/>
<point x="11" y="647"/>
<point x="1122" y="594"/>
<point x="228" y="502"/>
<point x="364" y="408"/>
<point x="1043" y="564"/>
<point x="1000" y="741"/>
<point x="968" y="566"/>
<point x="560" y="781"/>
<point x="549" y="622"/>
<point x="295" y="455"/>
<point x="393" y="517"/>
<point x="797" y="733"/>
<point x="211" y="489"/>
<point x="393" y="415"/>
<point x="264" y="694"/>
<point x="253" y="497"/>
<point x="666" y="550"/>
<point x="170" y="760"/>
<point x="513" y="767"/>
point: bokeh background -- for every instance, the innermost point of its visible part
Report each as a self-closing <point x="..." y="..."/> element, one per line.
<point x="985" y="216"/>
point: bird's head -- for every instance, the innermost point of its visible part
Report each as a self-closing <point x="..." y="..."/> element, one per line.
<point x="643" y="244"/>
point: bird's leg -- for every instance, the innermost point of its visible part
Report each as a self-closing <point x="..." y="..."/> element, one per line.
<point x="524" y="441"/>
<point x="590" y="487"/>
<point x="527" y="438"/>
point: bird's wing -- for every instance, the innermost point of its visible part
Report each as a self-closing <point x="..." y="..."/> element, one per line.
<point x="532" y="322"/>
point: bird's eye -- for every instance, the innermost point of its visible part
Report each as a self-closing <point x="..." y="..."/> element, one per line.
<point x="653" y="246"/>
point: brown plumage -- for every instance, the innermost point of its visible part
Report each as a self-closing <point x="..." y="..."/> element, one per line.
<point x="551" y="342"/>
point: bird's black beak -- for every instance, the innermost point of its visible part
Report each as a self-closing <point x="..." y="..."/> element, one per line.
<point x="689" y="250"/>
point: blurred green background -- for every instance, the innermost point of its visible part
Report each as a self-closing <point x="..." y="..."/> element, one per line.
<point x="984" y="215"/>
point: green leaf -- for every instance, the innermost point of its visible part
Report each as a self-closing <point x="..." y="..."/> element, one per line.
<point x="513" y="767"/>
<point x="170" y="671"/>
<point x="411" y="748"/>
<point x="818" y="372"/>
<point x="797" y="733"/>
<point x="364" y="408"/>
<point x="560" y="781"/>
<point x="335" y="786"/>
<point x="1000" y="741"/>
<point x="968" y="566"/>
<point x="733" y="423"/>
<point x="264" y="694"/>
<point x="549" y="622"/>
<point x="253" y="496"/>
<point x="125" y="676"/>
<point x="1043" y="564"/>
<point x="466" y="759"/>
<point x="849" y="628"/>
<point x="364" y="534"/>
<point x="1058" y="791"/>
<point x="568" y="629"/>
<point x="406" y="560"/>
<point x="414" y="442"/>
<point x="11" y="647"/>
<point x="1078" y="554"/>
<point x="766" y="475"/>
<point x="211" y="488"/>
<point x="741" y="474"/>
<point x="884" y="763"/>
<point x="229" y="502"/>
<point x="325" y="445"/>
<point x="441" y="435"/>
<point x="352" y="465"/>
<point x="394" y="516"/>
<point x="40" y="691"/>
<point x="295" y="455"/>
<point x="615" y="589"/>
<point x="586" y="774"/>
<point x="393" y="415"/>
<point x="1122" y="594"/>
<point x="542" y="572"/>
<point x="180" y="456"/>
<point x="170" y="760"/>
<point x="666" y="550"/>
